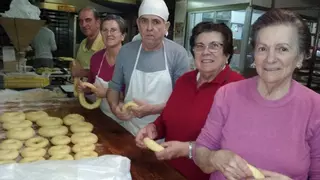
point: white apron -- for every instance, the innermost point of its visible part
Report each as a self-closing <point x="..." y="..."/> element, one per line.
<point x="105" y="108"/>
<point x="153" y="87"/>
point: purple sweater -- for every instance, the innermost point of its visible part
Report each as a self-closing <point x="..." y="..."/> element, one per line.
<point x="281" y="136"/>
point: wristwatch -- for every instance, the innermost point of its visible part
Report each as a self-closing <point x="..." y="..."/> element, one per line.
<point x="190" y="149"/>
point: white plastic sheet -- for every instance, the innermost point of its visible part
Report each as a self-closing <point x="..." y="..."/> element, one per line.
<point x="22" y="9"/>
<point x="107" y="167"/>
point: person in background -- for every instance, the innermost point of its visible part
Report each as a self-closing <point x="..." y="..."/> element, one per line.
<point x="192" y="96"/>
<point x="148" y="68"/>
<point x="269" y="121"/>
<point x="136" y="37"/>
<point x="44" y="43"/>
<point x="113" y="30"/>
<point x="89" y="22"/>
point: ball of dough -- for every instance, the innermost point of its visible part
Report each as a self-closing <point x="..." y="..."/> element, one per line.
<point x="35" y="115"/>
<point x="84" y="138"/>
<point x="8" y="154"/>
<point x="20" y="133"/>
<point x="59" y="150"/>
<point x="81" y="127"/>
<point x="85" y="154"/>
<point x="49" y="121"/>
<point x="11" y="144"/>
<point x="7" y="161"/>
<point x="62" y="157"/>
<point x="12" y="116"/>
<point x="33" y="152"/>
<point x="72" y="118"/>
<point x="31" y="159"/>
<point x="51" y="131"/>
<point x="17" y="124"/>
<point x="60" y="140"/>
<point x="83" y="147"/>
<point x="37" y="142"/>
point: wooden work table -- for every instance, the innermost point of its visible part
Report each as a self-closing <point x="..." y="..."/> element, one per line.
<point x="113" y="139"/>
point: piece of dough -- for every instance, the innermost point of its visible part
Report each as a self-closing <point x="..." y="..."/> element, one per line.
<point x="8" y="154"/>
<point x="59" y="150"/>
<point x="84" y="138"/>
<point x="35" y="115"/>
<point x="49" y="121"/>
<point x="51" y="131"/>
<point x="83" y="101"/>
<point x="12" y="116"/>
<point x="7" y="161"/>
<point x="72" y="118"/>
<point x="62" y="157"/>
<point x="37" y="142"/>
<point x="31" y="159"/>
<point x="83" y="147"/>
<point x="20" y="133"/>
<point x="152" y="145"/>
<point x="255" y="172"/>
<point x="33" y="152"/>
<point x="11" y="144"/>
<point x="60" y="140"/>
<point x="129" y="105"/>
<point x="17" y="124"/>
<point x="81" y="127"/>
<point x="85" y="154"/>
<point x="76" y="82"/>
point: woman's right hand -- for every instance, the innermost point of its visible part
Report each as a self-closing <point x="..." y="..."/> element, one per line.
<point x="232" y="166"/>
<point x="81" y="88"/>
<point x="149" y="131"/>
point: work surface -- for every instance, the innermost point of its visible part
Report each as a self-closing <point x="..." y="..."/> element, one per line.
<point x="113" y="139"/>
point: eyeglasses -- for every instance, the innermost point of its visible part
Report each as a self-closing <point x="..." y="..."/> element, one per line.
<point x="212" y="47"/>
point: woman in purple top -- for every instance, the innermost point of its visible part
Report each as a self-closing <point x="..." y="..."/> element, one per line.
<point x="269" y="121"/>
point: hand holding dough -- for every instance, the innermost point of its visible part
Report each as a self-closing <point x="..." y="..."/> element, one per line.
<point x="152" y="145"/>
<point x="255" y="172"/>
<point x="129" y="105"/>
<point x="83" y="101"/>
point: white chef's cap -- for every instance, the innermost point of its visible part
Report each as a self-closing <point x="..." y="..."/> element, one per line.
<point x="154" y="7"/>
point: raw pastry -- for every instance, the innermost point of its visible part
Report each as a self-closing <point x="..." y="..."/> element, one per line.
<point x="37" y="142"/>
<point x="59" y="150"/>
<point x="51" y="131"/>
<point x="12" y="116"/>
<point x="81" y="127"/>
<point x="83" y="137"/>
<point x="60" y="140"/>
<point x="255" y="172"/>
<point x="49" y="121"/>
<point x="62" y="157"/>
<point x="83" y="147"/>
<point x="129" y="105"/>
<point x="83" y="101"/>
<point x="85" y="154"/>
<point x="7" y="161"/>
<point x="20" y="133"/>
<point x="8" y="154"/>
<point x="35" y="115"/>
<point x="31" y="159"/>
<point x="33" y="152"/>
<point x="72" y="118"/>
<point x="11" y="144"/>
<point x="152" y="145"/>
<point x="17" y="124"/>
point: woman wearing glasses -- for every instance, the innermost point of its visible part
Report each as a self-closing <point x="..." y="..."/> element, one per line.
<point x="189" y="104"/>
<point x="113" y="31"/>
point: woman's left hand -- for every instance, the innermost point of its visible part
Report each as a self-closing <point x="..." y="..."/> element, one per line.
<point x="274" y="176"/>
<point x="100" y="91"/>
<point x="173" y="149"/>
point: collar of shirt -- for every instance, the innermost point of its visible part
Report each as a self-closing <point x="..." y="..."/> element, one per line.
<point x="95" y="45"/>
<point x="219" y="79"/>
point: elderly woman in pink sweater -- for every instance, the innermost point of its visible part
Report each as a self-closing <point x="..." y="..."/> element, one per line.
<point x="269" y="121"/>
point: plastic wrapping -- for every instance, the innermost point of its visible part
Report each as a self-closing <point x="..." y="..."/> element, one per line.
<point x="22" y="9"/>
<point x="107" y="167"/>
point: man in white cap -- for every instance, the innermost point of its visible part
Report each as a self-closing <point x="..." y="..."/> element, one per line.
<point x="147" y="68"/>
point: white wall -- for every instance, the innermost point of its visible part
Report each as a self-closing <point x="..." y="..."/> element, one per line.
<point x="193" y="4"/>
